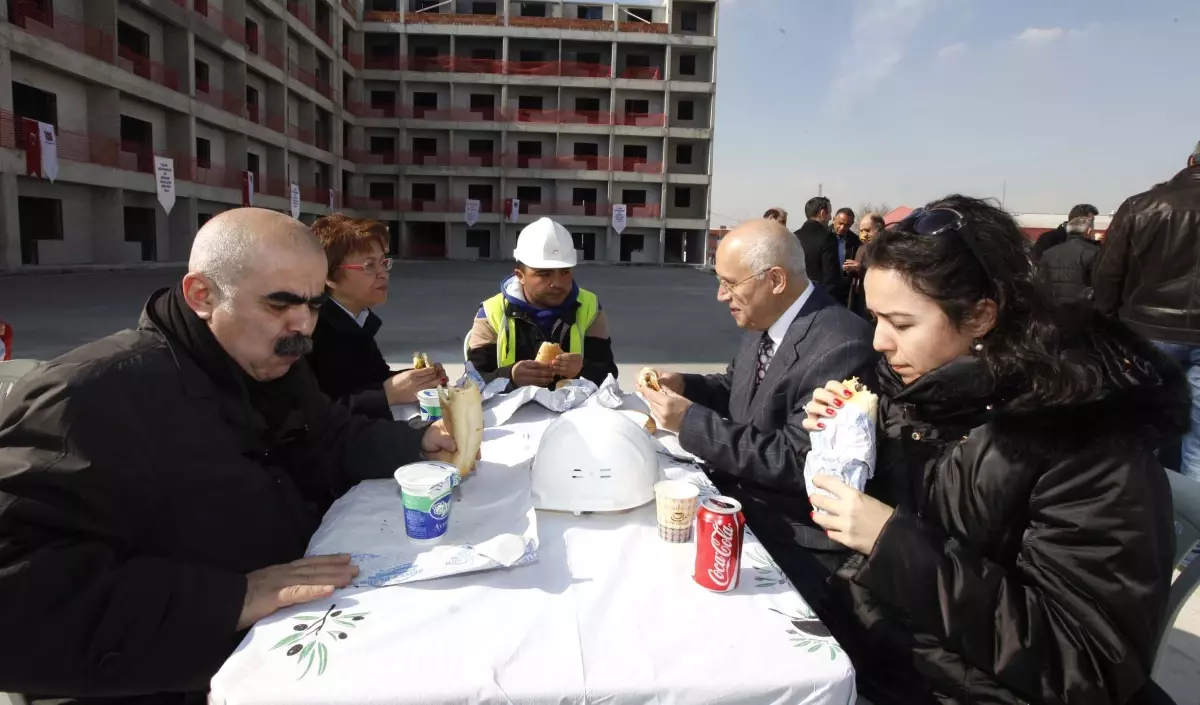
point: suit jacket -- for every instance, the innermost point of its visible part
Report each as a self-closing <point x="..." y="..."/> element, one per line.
<point x="347" y="362"/>
<point x="753" y="440"/>
<point x="821" y="258"/>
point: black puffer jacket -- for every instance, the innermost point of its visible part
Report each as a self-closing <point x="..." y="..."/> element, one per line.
<point x="1029" y="557"/>
<point x="1067" y="269"/>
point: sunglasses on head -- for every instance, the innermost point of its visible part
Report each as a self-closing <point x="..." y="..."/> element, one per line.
<point x="939" y="221"/>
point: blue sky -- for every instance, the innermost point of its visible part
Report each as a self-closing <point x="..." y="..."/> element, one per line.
<point x="902" y="101"/>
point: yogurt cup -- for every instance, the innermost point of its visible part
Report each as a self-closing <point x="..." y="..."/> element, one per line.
<point x="425" y="492"/>
<point x="431" y="404"/>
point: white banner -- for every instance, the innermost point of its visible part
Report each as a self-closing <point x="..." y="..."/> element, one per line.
<point x="618" y="217"/>
<point x="516" y="210"/>
<point x="332" y="202"/>
<point x="471" y="212"/>
<point x="49" y="142"/>
<point x="295" y="200"/>
<point x="164" y="181"/>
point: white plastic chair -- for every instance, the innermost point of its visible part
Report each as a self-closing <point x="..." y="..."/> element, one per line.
<point x="466" y="346"/>
<point x="12" y="698"/>
<point x="1185" y="495"/>
<point x="10" y="372"/>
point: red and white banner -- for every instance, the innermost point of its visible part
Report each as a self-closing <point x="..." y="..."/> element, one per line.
<point x="512" y="208"/>
<point x="247" y="188"/>
<point x="471" y="212"/>
<point x="295" y="200"/>
<point x="33" y="147"/>
<point x="49" y="145"/>
<point x="332" y="201"/>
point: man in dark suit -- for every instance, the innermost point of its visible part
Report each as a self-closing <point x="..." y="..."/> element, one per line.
<point x="820" y="247"/>
<point x="745" y="423"/>
<point x="847" y="247"/>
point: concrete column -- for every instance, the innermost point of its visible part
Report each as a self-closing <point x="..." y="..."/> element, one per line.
<point x="108" y="243"/>
<point x="275" y="102"/>
<point x="181" y="230"/>
<point x="10" y="223"/>
<point x="181" y="143"/>
<point x="103" y="111"/>
<point x="179" y="55"/>
<point x="277" y="166"/>
<point x="662" y="244"/>
<point x="235" y="152"/>
<point x="102" y="14"/>
<point x="235" y="79"/>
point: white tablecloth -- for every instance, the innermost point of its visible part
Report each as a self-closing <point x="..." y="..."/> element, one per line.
<point x="609" y="614"/>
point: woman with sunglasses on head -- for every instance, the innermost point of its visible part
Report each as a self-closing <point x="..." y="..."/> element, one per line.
<point x="345" y="358"/>
<point x="1015" y="543"/>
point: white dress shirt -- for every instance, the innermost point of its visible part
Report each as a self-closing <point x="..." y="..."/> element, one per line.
<point x="361" y="318"/>
<point x="779" y="328"/>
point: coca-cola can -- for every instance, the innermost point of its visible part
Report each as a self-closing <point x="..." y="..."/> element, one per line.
<point x="720" y="530"/>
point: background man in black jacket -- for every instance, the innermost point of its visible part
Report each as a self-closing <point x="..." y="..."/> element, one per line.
<point x="745" y="423"/>
<point x="1067" y="268"/>
<point x="820" y="246"/>
<point x="1058" y="236"/>
<point x="1148" y="273"/>
<point x="847" y="248"/>
<point x="158" y="487"/>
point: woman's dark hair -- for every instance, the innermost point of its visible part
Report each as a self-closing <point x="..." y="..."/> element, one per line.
<point x="1024" y="350"/>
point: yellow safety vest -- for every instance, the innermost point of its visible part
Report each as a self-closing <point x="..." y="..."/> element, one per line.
<point x="506" y="332"/>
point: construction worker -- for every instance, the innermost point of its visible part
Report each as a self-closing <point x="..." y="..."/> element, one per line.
<point x="541" y="303"/>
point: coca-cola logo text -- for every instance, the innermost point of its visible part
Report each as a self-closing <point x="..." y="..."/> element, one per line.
<point x="722" y="544"/>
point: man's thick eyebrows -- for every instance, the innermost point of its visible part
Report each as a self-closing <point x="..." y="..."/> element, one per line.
<point x="293" y="299"/>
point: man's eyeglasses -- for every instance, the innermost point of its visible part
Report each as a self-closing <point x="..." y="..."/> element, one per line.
<point x="939" y="221"/>
<point x="728" y="288"/>
<point x="383" y="265"/>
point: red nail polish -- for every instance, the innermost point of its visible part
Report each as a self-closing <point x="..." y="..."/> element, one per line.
<point x="829" y="412"/>
<point x="838" y="403"/>
<point x="848" y="393"/>
<point x="820" y="425"/>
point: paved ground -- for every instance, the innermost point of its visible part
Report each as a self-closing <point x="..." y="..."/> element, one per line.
<point x="657" y="314"/>
<point x="662" y="316"/>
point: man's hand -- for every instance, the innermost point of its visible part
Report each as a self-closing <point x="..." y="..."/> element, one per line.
<point x="402" y="388"/>
<point x="568" y="365"/>
<point x="667" y="406"/>
<point x="437" y="441"/>
<point x="531" y="373"/>
<point x="851" y="267"/>
<point x="666" y="380"/>
<point x="273" y="588"/>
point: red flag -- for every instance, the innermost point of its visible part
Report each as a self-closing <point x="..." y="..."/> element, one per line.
<point x="247" y="188"/>
<point x="33" y="147"/>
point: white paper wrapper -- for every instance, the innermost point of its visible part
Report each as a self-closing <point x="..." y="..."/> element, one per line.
<point x="845" y="450"/>
<point x="499" y="408"/>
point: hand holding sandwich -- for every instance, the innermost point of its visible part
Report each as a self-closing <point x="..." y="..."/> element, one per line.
<point x="667" y="406"/>
<point x="852" y="518"/>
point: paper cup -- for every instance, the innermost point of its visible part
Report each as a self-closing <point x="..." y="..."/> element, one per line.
<point x="676" y="503"/>
<point x="425" y="492"/>
<point x="431" y="404"/>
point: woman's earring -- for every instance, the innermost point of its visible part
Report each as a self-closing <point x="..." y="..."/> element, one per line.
<point x="977" y="346"/>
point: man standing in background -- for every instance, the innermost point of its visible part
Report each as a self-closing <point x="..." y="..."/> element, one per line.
<point x="1067" y="268"/>
<point x="820" y="247"/>
<point x="1148" y="274"/>
<point x="1058" y="235"/>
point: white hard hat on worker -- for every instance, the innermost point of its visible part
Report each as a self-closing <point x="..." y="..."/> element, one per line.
<point x="544" y="244"/>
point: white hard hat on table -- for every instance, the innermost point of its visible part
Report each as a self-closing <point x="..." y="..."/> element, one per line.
<point x="593" y="459"/>
<point x="544" y="244"/>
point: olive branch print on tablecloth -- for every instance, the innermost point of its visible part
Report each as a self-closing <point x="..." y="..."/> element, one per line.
<point x="766" y="571"/>
<point x="808" y="632"/>
<point x="309" y="628"/>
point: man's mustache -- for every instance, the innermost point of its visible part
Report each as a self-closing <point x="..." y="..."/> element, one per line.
<point x="294" y="345"/>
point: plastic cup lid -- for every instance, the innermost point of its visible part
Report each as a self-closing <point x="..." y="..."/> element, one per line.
<point x="421" y="477"/>
<point x="428" y="395"/>
<point x="676" y="489"/>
